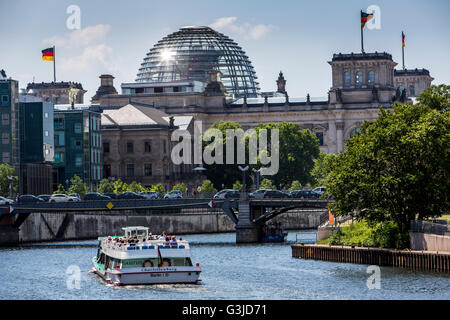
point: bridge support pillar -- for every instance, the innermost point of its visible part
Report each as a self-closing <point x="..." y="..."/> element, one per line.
<point x="9" y="234"/>
<point x="246" y="230"/>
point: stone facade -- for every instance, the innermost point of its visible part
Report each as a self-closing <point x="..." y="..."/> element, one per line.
<point x="415" y="81"/>
<point x="361" y="83"/>
<point x="58" y="92"/>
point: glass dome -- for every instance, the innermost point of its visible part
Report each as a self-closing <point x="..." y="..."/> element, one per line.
<point x="191" y="52"/>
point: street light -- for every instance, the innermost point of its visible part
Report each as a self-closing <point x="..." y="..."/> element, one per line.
<point x="243" y="176"/>
<point x="10" y="178"/>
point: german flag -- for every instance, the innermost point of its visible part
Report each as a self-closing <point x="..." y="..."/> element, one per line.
<point x="365" y="17"/>
<point x="403" y="40"/>
<point x="48" y="54"/>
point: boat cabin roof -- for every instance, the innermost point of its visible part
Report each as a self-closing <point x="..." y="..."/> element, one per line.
<point x="135" y="232"/>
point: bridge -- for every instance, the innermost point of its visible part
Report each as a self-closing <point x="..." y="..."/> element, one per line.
<point x="249" y="215"/>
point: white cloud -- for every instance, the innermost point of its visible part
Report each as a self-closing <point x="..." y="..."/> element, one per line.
<point x="98" y="57"/>
<point x="230" y="25"/>
<point x="80" y="38"/>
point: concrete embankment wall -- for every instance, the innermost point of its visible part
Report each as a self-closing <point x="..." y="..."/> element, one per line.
<point x="426" y="241"/>
<point x="90" y="225"/>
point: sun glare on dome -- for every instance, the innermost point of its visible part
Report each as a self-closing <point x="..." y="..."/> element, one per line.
<point x="167" y="55"/>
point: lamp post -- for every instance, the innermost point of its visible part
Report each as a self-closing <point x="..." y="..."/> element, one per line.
<point x="243" y="176"/>
<point x="10" y="179"/>
<point x="258" y="176"/>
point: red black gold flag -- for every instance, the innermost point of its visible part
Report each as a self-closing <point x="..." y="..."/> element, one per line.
<point x="403" y="40"/>
<point x="365" y="17"/>
<point x="48" y="54"/>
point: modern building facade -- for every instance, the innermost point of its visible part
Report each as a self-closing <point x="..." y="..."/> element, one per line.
<point x="9" y="130"/>
<point x="78" y="145"/>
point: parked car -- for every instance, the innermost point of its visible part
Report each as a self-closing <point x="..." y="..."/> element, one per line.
<point x="4" y="201"/>
<point x="130" y="195"/>
<point x="150" y="194"/>
<point x="275" y="194"/>
<point x="174" y="194"/>
<point x="44" y="197"/>
<point x="95" y="196"/>
<point x="59" y="197"/>
<point x="258" y="194"/>
<point x="305" y="194"/>
<point x="112" y="195"/>
<point x="227" y="194"/>
<point x="319" y="190"/>
<point x="75" y="195"/>
<point x="29" y="198"/>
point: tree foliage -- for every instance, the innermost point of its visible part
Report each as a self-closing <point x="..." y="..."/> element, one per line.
<point x="208" y="187"/>
<point x="296" y="185"/>
<point x="237" y="185"/>
<point x="120" y="186"/>
<point x="395" y="168"/>
<point x="322" y="166"/>
<point x="60" y="190"/>
<point x="105" y="186"/>
<point x="7" y="171"/>
<point x="77" y="186"/>
<point x="181" y="187"/>
<point x="436" y="97"/>
<point x="267" y="184"/>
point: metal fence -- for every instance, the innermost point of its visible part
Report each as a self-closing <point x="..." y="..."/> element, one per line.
<point x="437" y="227"/>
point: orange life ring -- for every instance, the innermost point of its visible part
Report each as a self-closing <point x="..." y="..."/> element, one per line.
<point x="165" y="260"/>
<point x="151" y="262"/>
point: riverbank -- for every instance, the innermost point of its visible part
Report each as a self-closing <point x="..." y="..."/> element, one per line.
<point x="416" y="260"/>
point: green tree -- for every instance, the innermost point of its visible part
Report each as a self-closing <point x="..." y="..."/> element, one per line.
<point x="322" y="166"/>
<point x="135" y="187"/>
<point x="267" y="184"/>
<point x="181" y="187"/>
<point x="120" y="186"/>
<point x="296" y="185"/>
<point x="77" y="186"/>
<point x="105" y="186"/>
<point x="208" y="187"/>
<point x="237" y="185"/>
<point x="60" y="190"/>
<point x="158" y="188"/>
<point x="7" y="171"/>
<point x="436" y="97"/>
<point x="297" y="150"/>
<point x="395" y="168"/>
<point x="224" y="174"/>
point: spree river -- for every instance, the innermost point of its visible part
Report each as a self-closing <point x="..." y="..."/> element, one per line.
<point x="229" y="271"/>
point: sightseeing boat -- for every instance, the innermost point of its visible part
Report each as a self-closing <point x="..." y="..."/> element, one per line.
<point x="137" y="258"/>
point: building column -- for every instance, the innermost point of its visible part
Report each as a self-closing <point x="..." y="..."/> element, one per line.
<point x="332" y="147"/>
<point x="340" y="136"/>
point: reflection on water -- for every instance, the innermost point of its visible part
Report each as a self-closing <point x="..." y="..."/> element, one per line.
<point x="230" y="271"/>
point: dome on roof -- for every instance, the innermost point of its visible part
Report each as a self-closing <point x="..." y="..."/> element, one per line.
<point x="193" y="51"/>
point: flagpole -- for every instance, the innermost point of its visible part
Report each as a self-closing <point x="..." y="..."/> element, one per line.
<point x="54" y="65"/>
<point x="362" y="38"/>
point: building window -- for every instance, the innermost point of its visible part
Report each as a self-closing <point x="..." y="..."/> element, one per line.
<point x="59" y="123"/>
<point x="147" y="147"/>
<point x="371" y="77"/>
<point x="147" y="169"/>
<point x="46" y="114"/>
<point x="319" y="136"/>
<point x="164" y="146"/>
<point x="5" y="138"/>
<point x="347" y="77"/>
<point x="6" y="157"/>
<point x="59" y="139"/>
<point x="130" y="170"/>
<point x="106" y="147"/>
<point x="412" y="91"/>
<point x="59" y="157"/>
<point x="5" y="99"/>
<point x="129" y="147"/>
<point x="78" y="145"/>
<point x="46" y="133"/>
<point x="359" y="77"/>
<point x="354" y="131"/>
<point x="106" y="170"/>
<point x="78" y="161"/>
<point x="77" y="127"/>
<point x="5" y="119"/>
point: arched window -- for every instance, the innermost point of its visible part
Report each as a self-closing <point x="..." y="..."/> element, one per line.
<point x="359" y="77"/>
<point x="347" y="77"/>
<point x="371" y="77"/>
<point x="354" y="131"/>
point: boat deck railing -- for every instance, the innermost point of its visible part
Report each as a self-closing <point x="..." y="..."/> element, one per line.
<point x="146" y="245"/>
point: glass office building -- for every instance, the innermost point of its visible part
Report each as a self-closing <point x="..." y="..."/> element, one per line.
<point x="193" y="51"/>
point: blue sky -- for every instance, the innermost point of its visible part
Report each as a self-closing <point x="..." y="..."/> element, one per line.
<point x="297" y="37"/>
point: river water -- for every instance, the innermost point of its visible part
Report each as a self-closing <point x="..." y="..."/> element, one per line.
<point x="229" y="271"/>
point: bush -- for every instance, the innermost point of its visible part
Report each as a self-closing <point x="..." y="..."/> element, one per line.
<point x="237" y="185"/>
<point x="267" y="184"/>
<point x="296" y="185"/>
<point x="208" y="187"/>
<point x="180" y="186"/>
<point x="380" y="235"/>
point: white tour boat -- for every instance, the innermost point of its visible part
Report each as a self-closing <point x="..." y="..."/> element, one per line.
<point x="138" y="258"/>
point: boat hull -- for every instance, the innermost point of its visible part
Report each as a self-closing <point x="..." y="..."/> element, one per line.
<point x="151" y="276"/>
